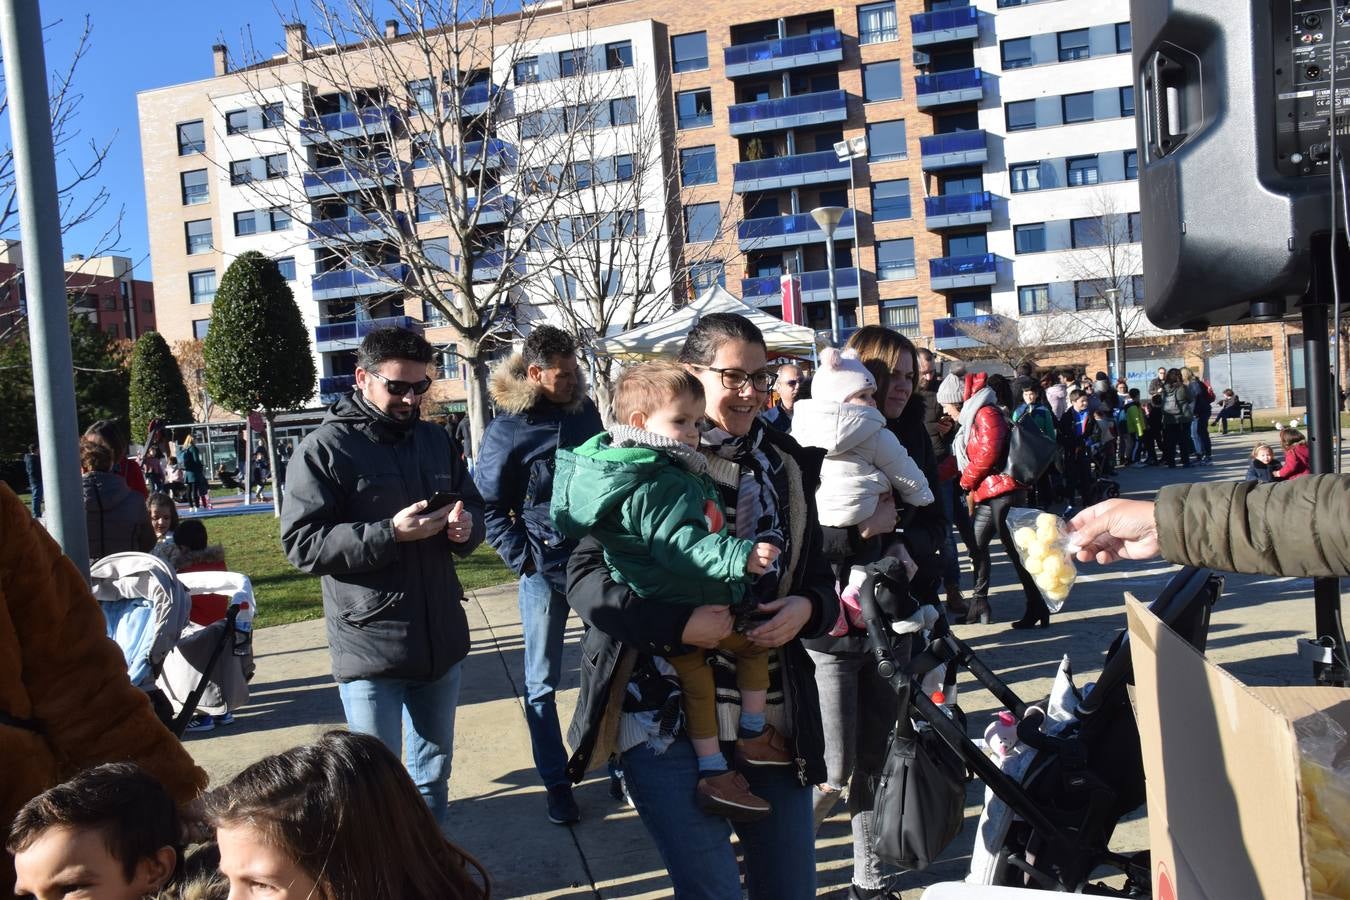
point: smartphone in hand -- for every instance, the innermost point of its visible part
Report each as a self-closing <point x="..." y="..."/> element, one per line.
<point x="439" y="501"/>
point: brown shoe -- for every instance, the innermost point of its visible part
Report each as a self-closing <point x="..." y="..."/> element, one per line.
<point x="768" y="749"/>
<point x="728" y="794"/>
<point x="956" y="604"/>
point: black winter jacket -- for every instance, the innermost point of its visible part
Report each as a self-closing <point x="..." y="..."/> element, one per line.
<point x="514" y="470"/>
<point x="393" y="610"/>
<point x="622" y="628"/>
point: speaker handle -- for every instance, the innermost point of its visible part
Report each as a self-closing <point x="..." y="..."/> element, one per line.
<point x="1165" y="75"/>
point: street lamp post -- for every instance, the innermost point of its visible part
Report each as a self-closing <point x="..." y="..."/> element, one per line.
<point x="847" y="151"/>
<point x="827" y="217"/>
<point x="1112" y="296"/>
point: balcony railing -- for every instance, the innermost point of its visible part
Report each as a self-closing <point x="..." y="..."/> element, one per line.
<point x="960" y="148"/>
<point x="845" y="282"/>
<point x="783" y="53"/>
<point x="346" y="176"/>
<point x="487" y="266"/>
<point x="493" y="207"/>
<point x="336" y="384"/>
<point x="359" y="223"/>
<point x="788" y="112"/>
<point x="959" y="86"/>
<point x="479" y="94"/>
<point x="959" y="209"/>
<point x="357" y="281"/>
<point x="493" y="153"/>
<point x="787" y="231"/>
<point x="355" y="330"/>
<point x="945" y="25"/>
<point x="949" y="272"/>
<point x="789" y="171"/>
<point x="353" y="119"/>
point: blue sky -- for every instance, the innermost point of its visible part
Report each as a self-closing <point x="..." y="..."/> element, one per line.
<point x="137" y="45"/>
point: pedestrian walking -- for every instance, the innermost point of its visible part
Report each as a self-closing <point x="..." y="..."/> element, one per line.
<point x="32" y="467"/>
<point x="1177" y="412"/>
<point x="357" y="513"/>
<point x="152" y="465"/>
<point x="543" y="404"/>
<point x="194" y="474"/>
<point x="1202" y="398"/>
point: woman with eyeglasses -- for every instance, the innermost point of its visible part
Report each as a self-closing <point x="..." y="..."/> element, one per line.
<point x="767" y="487"/>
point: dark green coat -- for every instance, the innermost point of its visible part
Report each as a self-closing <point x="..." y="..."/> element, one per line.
<point x="652" y="516"/>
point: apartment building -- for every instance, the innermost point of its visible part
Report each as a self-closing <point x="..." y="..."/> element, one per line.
<point x="103" y="289"/>
<point x="983" y="154"/>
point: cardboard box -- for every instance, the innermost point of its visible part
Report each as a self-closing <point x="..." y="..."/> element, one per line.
<point x="1223" y="771"/>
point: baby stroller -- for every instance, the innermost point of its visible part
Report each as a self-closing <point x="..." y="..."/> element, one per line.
<point x="197" y="675"/>
<point x="146" y="609"/>
<point x="1100" y="487"/>
<point x="1050" y="815"/>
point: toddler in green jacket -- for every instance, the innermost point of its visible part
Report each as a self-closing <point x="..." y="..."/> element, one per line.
<point x="643" y="491"/>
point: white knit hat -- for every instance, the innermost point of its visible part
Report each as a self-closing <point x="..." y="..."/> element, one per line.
<point x="951" y="390"/>
<point x="840" y="376"/>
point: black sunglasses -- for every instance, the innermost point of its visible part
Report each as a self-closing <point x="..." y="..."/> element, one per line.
<point x="401" y="388"/>
<point x="792" y="382"/>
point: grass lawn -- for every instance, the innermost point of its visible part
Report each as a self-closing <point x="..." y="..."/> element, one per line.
<point x="253" y="546"/>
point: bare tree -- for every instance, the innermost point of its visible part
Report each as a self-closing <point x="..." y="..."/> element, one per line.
<point x="1013" y="342"/>
<point x="192" y="363"/>
<point x="469" y="227"/>
<point x="80" y="195"/>
<point x="1106" y="269"/>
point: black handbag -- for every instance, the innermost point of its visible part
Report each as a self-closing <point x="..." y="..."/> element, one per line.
<point x="920" y="797"/>
<point x="1031" y="452"/>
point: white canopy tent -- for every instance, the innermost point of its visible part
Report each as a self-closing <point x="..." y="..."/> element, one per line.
<point x="665" y="337"/>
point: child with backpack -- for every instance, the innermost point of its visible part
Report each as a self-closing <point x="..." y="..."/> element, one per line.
<point x="1135" y="432"/>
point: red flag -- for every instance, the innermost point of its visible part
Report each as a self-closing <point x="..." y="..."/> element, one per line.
<point x="791" y="287"/>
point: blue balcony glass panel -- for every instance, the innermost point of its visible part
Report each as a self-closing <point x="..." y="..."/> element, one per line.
<point x="811" y="282"/>
<point x="351" y="175"/>
<point x="948" y="272"/>
<point x="959" y="86"/>
<point x="788" y="171"/>
<point x="959" y="209"/>
<point x="479" y="94"/>
<point x="355" y="227"/>
<point x="493" y="152"/>
<point x="945" y="25"/>
<point x="960" y="148"/>
<point x="787" y="231"/>
<point x="371" y="119"/>
<point x="354" y="331"/>
<point x="336" y="384"/>
<point x="355" y="282"/>
<point x="956" y="332"/>
<point x="788" y="112"/>
<point x="783" y="53"/>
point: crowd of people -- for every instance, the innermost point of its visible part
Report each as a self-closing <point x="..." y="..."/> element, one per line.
<point x="711" y="542"/>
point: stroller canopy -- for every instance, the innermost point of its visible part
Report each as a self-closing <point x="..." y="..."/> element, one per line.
<point x="145" y="609"/>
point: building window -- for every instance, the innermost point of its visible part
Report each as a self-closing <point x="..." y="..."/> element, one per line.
<point x="1087" y="232"/>
<point x="902" y="315"/>
<point x="286" y="266"/>
<point x="1016" y="53"/>
<point x="280" y="218"/>
<point x="1090" y="293"/>
<point x="236" y="122"/>
<point x="706" y="274"/>
<point x="273" y="115"/>
<point x="877" y="23"/>
<point x="689" y="52"/>
<point x="437" y="253"/>
<point x="1074" y="45"/>
<point x="1127" y="101"/>
<point x="200" y="327"/>
<point x="432" y="317"/>
<point x="968" y="244"/>
<point x="1025" y="177"/>
<point x="527" y="70"/>
<point x="191" y="138"/>
<point x="1131" y="165"/>
<point x="241" y="171"/>
<point x="1077" y="107"/>
<point x="276" y="165"/>
<point x="1033" y="299"/>
<point x="702" y="222"/>
<point x="619" y="55"/>
<point x="886" y="140"/>
<point x="882" y="81"/>
<point x="895" y="259"/>
<point x="1021" y="115"/>
<point x="430" y="203"/>
<point x="422" y="93"/>
<point x="623" y="111"/>
<point x="583" y="173"/>
<point x="1082" y="171"/>
<point x="1029" y="238"/>
<point x="195" y="187"/>
<point x="890" y="200"/>
<point x="693" y="109"/>
<point x="698" y="165"/>
<point x="198" y="236"/>
<point x="245" y="223"/>
<point x="1134" y="227"/>
<point x="540" y="123"/>
<point x="623" y="167"/>
<point x="1137" y="289"/>
<point x="421" y="149"/>
<point x="1124" y="43"/>
<point x="572" y="62"/>
<point x="202" y="286"/>
<point x="449" y="361"/>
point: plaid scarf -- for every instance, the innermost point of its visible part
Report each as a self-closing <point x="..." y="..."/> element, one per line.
<point x="751" y="481"/>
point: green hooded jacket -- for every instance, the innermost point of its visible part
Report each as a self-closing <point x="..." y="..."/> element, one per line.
<point x="654" y="519"/>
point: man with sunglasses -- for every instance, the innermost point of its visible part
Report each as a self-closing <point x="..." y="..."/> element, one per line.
<point x="541" y="406"/>
<point x="356" y="513"/>
<point x="788" y="385"/>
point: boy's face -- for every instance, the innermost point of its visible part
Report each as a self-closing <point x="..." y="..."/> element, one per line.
<point x="74" y="864"/>
<point x="1028" y="397"/>
<point x="1080" y="404"/>
<point x="676" y="419"/>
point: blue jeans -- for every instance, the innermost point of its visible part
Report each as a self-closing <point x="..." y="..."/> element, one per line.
<point x="543" y="619"/>
<point x="424" y="711"/>
<point x="37" y="500"/>
<point x="1200" y="436"/>
<point x="780" y="851"/>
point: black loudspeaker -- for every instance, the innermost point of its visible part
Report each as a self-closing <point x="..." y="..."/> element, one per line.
<point x="1235" y="152"/>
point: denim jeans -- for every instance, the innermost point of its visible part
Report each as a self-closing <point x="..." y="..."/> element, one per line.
<point x="1200" y="437"/>
<point x="37" y="500"/>
<point x="423" y="712"/>
<point x="780" y="851"/>
<point x="543" y="619"/>
<point x="953" y="505"/>
<point x="858" y="711"/>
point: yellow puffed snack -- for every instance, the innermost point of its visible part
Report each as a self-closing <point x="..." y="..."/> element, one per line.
<point x="1041" y="542"/>
<point x="1326" y="822"/>
<point x="1023" y="537"/>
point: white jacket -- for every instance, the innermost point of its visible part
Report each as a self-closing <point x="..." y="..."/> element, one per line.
<point x="864" y="461"/>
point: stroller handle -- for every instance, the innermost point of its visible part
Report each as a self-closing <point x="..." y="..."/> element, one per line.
<point x="877" y="639"/>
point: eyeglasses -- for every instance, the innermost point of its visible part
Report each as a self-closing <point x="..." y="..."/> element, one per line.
<point x="401" y="388"/>
<point x="792" y="382"/>
<point x="735" y="379"/>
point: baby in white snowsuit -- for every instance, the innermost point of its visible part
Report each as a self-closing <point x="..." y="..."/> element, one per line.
<point x="864" y="460"/>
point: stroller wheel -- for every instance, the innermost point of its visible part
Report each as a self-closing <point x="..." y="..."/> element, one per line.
<point x="1111" y="490"/>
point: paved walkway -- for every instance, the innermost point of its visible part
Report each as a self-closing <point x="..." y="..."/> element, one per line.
<point x="498" y="808"/>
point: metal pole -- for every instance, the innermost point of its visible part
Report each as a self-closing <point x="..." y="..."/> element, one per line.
<point x="1228" y="334"/>
<point x="834" y="290"/>
<point x="48" y="319"/>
